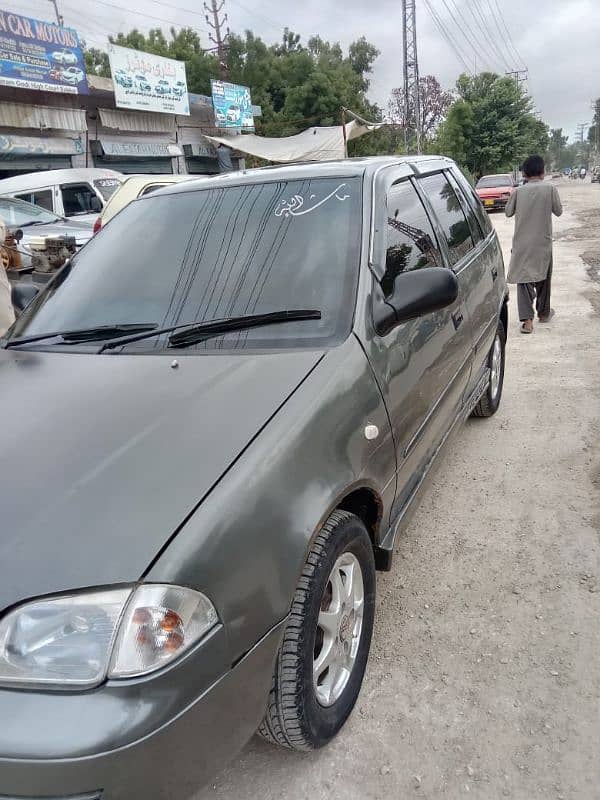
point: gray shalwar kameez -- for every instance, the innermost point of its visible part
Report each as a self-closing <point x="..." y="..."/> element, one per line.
<point x="532" y="205"/>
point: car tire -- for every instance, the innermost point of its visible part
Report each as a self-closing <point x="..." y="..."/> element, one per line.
<point x="490" y="400"/>
<point x="309" y="702"/>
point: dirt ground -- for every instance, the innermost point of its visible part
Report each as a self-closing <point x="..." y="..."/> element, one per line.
<point x="484" y="675"/>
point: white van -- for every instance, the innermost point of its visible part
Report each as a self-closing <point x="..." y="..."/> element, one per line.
<point x="80" y="193"/>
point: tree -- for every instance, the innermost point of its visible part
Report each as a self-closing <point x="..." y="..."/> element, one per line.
<point x="491" y="126"/>
<point x="435" y="103"/>
<point x="556" y="148"/>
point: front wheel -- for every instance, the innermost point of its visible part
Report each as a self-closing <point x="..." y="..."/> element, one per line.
<point x="490" y="400"/>
<point x="323" y="655"/>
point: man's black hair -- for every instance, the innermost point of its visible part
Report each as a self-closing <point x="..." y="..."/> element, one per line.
<point x="533" y="167"/>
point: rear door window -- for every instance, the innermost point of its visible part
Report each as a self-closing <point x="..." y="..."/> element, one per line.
<point x="42" y="198"/>
<point x="448" y="210"/>
<point x="79" y="198"/>
<point x="474" y="201"/>
<point x="476" y="232"/>
<point x="410" y="240"/>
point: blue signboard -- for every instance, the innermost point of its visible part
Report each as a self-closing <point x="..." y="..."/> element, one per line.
<point x="40" y="55"/>
<point x="233" y="106"/>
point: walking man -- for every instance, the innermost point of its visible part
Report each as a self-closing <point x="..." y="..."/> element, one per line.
<point x="532" y="205"/>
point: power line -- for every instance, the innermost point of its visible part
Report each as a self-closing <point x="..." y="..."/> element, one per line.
<point x="466" y="24"/>
<point x="480" y="20"/>
<point x="503" y="37"/>
<point x="447" y="36"/>
<point x="520" y="59"/>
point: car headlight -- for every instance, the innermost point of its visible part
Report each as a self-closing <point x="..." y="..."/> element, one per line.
<point x="78" y="640"/>
<point x="505" y="195"/>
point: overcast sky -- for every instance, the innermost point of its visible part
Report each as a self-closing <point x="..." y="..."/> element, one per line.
<point x="558" y="40"/>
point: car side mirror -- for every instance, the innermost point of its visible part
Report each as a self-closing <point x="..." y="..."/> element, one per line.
<point x="95" y="205"/>
<point x="21" y="295"/>
<point x="415" y="294"/>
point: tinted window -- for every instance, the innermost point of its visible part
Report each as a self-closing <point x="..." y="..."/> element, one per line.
<point x="78" y="198"/>
<point x="201" y="255"/>
<point x="474" y="226"/>
<point x="411" y="242"/>
<point x="449" y="213"/>
<point x="43" y="198"/>
<point x="474" y="202"/>
<point x="107" y="186"/>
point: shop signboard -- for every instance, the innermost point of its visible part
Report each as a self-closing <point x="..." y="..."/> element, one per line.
<point x="233" y="106"/>
<point x="145" y="82"/>
<point x="40" y="55"/>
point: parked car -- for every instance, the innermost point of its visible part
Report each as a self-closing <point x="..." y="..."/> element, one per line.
<point x="135" y="186"/>
<point x="141" y="84"/>
<point x="494" y="190"/>
<point x="123" y="78"/>
<point x="73" y="75"/>
<point x="64" y="56"/>
<point x="35" y="221"/>
<point x="254" y="377"/>
<point x="596" y="174"/>
<point x="80" y="193"/>
<point x="162" y="87"/>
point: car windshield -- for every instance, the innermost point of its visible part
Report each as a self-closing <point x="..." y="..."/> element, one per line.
<point x="175" y="259"/>
<point x="18" y="213"/>
<point x="492" y="181"/>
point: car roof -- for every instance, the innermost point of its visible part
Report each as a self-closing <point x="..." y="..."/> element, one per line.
<point x="343" y="168"/>
<point x="498" y="175"/>
<point x="132" y="186"/>
<point x="50" y="177"/>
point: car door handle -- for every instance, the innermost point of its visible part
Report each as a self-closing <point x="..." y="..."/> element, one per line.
<point x="457" y="319"/>
<point x="494" y="273"/>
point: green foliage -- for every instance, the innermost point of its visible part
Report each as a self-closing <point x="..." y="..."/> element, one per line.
<point x="491" y="126"/>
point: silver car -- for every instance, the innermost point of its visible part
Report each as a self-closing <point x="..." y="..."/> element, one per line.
<point x="226" y="405"/>
<point x="35" y="221"/>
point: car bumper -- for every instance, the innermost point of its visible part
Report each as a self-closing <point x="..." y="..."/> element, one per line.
<point x="495" y="204"/>
<point x="171" y="761"/>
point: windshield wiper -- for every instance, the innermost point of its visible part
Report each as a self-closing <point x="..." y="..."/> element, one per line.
<point x="194" y="333"/>
<point x="86" y="334"/>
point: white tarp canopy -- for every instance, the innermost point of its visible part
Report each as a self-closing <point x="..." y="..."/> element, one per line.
<point x="314" y="144"/>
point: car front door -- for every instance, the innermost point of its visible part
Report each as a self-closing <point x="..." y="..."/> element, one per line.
<point x="422" y="365"/>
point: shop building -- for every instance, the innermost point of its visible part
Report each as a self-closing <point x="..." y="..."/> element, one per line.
<point x="42" y="130"/>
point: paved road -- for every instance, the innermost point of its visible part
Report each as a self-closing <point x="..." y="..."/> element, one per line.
<point x="484" y="677"/>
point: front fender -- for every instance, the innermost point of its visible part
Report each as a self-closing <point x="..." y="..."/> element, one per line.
<point x="247" y="543"/>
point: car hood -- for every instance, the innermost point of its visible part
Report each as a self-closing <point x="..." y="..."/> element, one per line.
<point x="103" y="457"/>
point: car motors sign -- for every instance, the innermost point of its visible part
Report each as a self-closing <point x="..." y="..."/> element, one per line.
<point x="233" y="106"/>
<point x="146" y="82"/>
<point x="40" y="55"/>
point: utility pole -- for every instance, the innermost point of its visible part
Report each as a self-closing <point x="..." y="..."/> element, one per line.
<point x="219" y="39"/>
<point x="520" y="75"/>
<point x="60" y="21"/>
<point x="581" y="126"/>
<point x="412" y="89"/>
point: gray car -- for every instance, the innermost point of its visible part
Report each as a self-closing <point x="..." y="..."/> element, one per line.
<point x="221" y="412"/>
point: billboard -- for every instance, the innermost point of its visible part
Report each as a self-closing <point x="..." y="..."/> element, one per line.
<point x="145" y="82"/>
<point x="233" y="106"/>
<point x="40" y="55"/>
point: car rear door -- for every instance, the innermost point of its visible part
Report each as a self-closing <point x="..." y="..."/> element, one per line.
<point x="482" y="273"/>
<point x="422" y="365"/>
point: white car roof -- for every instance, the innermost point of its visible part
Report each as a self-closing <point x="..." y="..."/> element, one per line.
<point x="132" y="187"/>
<point x="52" y="177"/>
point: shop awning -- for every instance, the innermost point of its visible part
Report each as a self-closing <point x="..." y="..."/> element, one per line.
<point x="138" y="121"/>
<point x="17" y="146"/>
<point x="120" y="149"/>
<point x="20" y="115"/>
<point x="315" y="144"/>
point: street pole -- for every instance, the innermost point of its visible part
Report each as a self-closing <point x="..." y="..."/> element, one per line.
<point x="344" y="132"/>
<point x="60" y="21"/>
<point x="219" y="39"/>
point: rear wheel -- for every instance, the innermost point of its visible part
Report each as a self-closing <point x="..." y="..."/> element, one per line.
<point x="323" y="655"/>
<point x="490" y="400"/>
